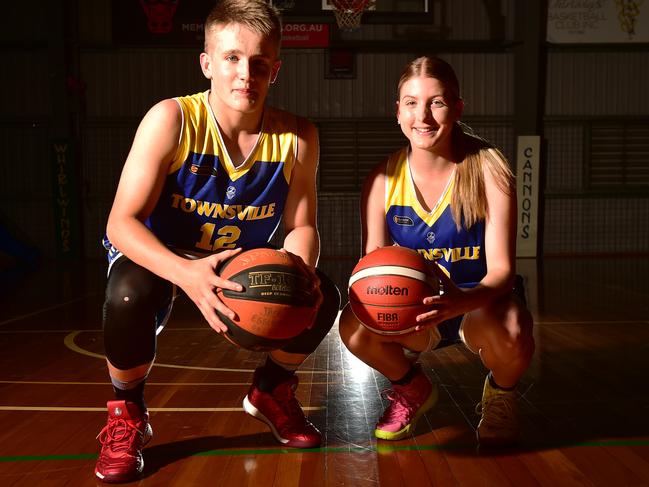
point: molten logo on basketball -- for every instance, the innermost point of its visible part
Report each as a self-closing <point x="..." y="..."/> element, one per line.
<point x="388" y="289"/>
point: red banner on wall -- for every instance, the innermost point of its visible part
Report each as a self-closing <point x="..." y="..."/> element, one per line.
<point x="305" y="35"/>
<point x="160" y="22"/>
<point x="176" y="22"/>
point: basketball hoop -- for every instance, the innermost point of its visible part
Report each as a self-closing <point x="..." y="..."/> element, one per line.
<point x="349" y="12"/>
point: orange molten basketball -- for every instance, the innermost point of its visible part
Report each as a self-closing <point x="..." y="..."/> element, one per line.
<point x="276" y="303"/>
<point x="387" y="287"/>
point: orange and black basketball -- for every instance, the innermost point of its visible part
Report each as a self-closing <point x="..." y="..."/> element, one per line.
<point x="277" y="302"/>
<point x="387" y="288"/>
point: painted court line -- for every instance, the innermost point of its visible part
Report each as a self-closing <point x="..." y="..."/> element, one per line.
<point x="161" y="410"/>
<point x="177" y="384"/>
<point x="43" y="310"/>
<point x="70" y="343"/>
<point x="594" y="322"/>
<point x="369" y="449"/>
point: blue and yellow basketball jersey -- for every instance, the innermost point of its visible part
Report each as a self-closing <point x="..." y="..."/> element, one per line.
<point x="207" y="202"/>
<point x="432" y="233"/>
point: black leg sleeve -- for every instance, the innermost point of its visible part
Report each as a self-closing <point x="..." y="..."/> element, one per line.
<point x="134" y="296"/>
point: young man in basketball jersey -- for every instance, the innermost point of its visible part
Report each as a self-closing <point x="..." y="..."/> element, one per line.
<point x="450" y="196"/>
<point x="192" y="158"/>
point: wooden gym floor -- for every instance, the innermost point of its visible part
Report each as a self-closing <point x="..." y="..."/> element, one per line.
<point x="584" y="400"/>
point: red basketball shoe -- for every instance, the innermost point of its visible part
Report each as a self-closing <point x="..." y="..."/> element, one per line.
<point x="407" y="404"/>
<point x="282" y="413"/>
<point x="122" y="439"/>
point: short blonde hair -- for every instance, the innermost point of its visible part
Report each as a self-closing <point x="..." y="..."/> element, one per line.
<point x="257" y="15"/>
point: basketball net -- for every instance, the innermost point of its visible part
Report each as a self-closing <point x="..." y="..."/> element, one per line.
<point x="349" y="12"/>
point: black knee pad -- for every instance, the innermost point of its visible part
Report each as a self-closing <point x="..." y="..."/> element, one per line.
<point x="308" y="340"/>
<point x="133" y="297"/>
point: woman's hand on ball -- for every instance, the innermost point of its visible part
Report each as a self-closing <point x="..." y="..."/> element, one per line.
<point x="444" y="306"/>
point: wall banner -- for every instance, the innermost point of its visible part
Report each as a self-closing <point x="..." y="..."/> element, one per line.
<point x="597" y="21"/>
<point x="66" y="200"/>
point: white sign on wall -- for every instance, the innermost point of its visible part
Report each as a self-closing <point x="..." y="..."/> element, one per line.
<point x="528" y="159"/>
<point x="598" y="21"/>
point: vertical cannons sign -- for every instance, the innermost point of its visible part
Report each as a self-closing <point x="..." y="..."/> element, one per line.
<point x="66" y="201"/>
<point x="527" y="193"/>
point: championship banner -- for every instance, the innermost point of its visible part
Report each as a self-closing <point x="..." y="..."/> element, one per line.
<point x="528" y="160"/>
<point x="597" y="21"/>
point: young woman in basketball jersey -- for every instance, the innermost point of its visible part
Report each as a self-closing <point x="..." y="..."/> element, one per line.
<point x="193" y="159"/>
<point x="446" y="190"/>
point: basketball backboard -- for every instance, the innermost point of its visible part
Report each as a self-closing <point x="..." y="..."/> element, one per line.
<point x="382" y="12"/>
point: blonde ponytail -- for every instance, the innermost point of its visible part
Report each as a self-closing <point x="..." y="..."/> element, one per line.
<point x="469" y="201"/>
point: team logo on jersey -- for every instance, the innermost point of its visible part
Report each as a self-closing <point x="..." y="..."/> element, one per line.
<point x="430" y="237"/>
<point x="230" y="192"/>
<point x="202" y="170"/>
<point x="403" y="220"/>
